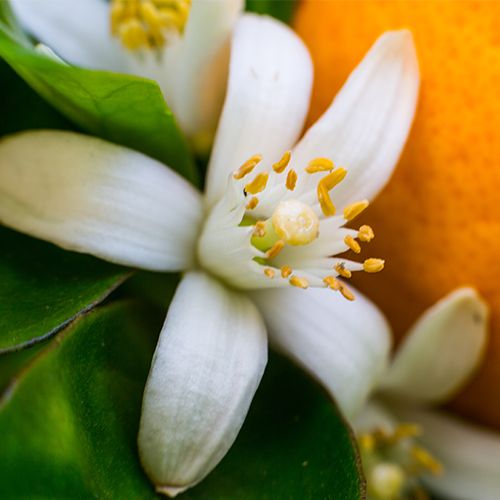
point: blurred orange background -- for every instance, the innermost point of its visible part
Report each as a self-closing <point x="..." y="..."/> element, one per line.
<point x="437" y="223"/>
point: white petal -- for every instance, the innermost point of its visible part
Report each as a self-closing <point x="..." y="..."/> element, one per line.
<point x="269" y="85"/>
<point x="92" y="196"/>
<point x="200" y="65"/>
<point x="442" y="349"/>
<point x="206" y="369"/>
<point x="343" y="344"/>
<point x="470" y="455"/>
<point x="78" y="31"/>
<point x="366" y="126"/>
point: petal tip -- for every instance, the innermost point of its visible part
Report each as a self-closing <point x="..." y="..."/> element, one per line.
<point x="171" y="491"/>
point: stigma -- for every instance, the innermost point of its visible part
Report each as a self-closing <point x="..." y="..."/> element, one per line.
<point x="147" y="24"/>
<point x="278" y="225"/>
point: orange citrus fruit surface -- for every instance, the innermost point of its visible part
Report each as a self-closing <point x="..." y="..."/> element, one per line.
<point x="438" y="221"/>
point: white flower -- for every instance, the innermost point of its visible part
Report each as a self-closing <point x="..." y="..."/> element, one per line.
<point x="253" y="228"/>
<point x="185" y="49"/>
<point x="458" y="461"/>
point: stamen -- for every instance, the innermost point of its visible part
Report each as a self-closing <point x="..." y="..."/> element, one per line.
<point x="342" y="271"/>
<point x="145" y="24"/>
<point x="259" y="229"/>
<point x="373" y="265"/>
<point x="352" y="244"/>
<point x="426" y="460"/>
<point x="327" y="206"/>
<point x="280" y="165"/>
<point x="326" y="184"/>
<point x="319" y="165"/>
<point x="298" y="282"/>
<point x="275" y="249"/>
<point x="286" y="271"/>
<point x="346" y="292"/>
<point x="332" y="282"/>
<point x="254" y="201"/>
<point x="291" y="180"/>
<point x="365" y="233"/>
<point x="354" y="209"/>
<point x="258" y="184"/>
<point x="269" y="272"/>
<point x="247" y="167"/>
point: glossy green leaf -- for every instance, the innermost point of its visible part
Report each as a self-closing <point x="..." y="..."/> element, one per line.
<point x="42" y="288"/>
<point x="280" y="9"/>
<point x="121" y="108"/>
<point x="22" y="108"/>
<point x="70" y="420"/>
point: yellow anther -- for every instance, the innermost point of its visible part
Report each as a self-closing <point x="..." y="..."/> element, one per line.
<point x="426" y="460"/>
<point x="145" y="24"/>
<point x="333" y="178"/>
<point x="280" y="165"/>
<point x="342" y="271"/>
<point x="269" y="272"/>
<point x="332" y="282"/>
<point x="298" y="282"/>
<point x="258" y="184"/>
<point x="259" y="229"/>
<point x="367" y="442"/>
<point x="405" y="431"/>
<point x="354" y="209"/>
<point x="254" y="201"/>
<point x="327" y="183"/>
<point x="365" y="233"/>
<point x="373" y="265"/>
<point x="286" y="271"/>
<point x="247" y="167"/>
<point x="352" y="244"/>
<point x="319" y="165"/>
<point x="326" y="203"/>
<point x="346" y="293"/>
<point x="291" y="180"/>
<point x="275" y="249"/>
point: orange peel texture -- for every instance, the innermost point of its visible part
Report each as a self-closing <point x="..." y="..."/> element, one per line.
<point x="437" y="223"/>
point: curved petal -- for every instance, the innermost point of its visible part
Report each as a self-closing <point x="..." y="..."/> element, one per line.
<point x="200" y="67"/>
<point x="365" y="128"/>
<point x="343" y="344"/>
<point x="76" y="31"/>
<point x="441" y="350"/>
<point x="270" y="78"/>
<point x="470" y="455"/>
<point x="92" y="196"/>
<point x="205" y="371"/>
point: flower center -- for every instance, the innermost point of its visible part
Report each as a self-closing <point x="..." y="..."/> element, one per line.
<point x="147" y="24"/>
<point x="394" y="464"/>
<point x="278" y="226"/>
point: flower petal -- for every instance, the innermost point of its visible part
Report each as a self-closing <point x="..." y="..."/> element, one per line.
<point x="442" y="349"/>
<point x="270" y="78"/>
<point x="365" y="128"/>
<point x="470" y="455"/>
<point x="343" y="344"/>
<point x="76" y="31"/>
<point x="91" y="196"/>
<point x="206" y="369"/>
<point x="200" y="67"/>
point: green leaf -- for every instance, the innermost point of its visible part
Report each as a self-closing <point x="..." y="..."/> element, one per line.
<point x="70" y="421"/>
<point x="42" y="288"/>
<point x="22" y="108"/>
<point x="280" y="9"/>
<point x="124" y="109"/>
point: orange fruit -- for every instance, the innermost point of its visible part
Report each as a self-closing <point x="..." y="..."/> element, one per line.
<point x="438" y="221"/>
